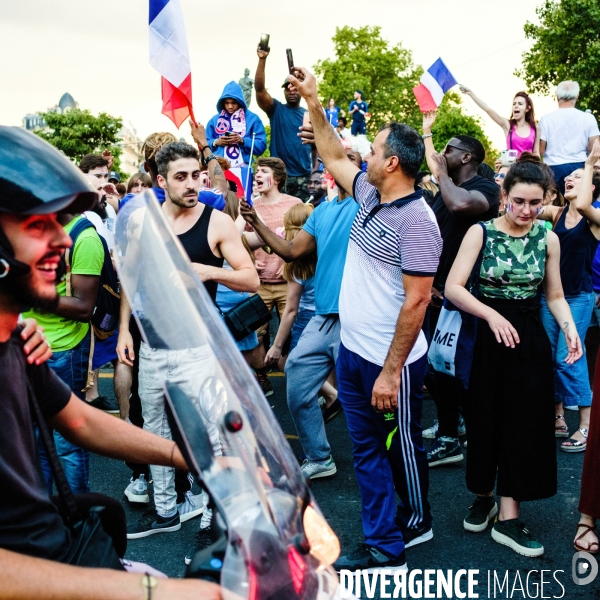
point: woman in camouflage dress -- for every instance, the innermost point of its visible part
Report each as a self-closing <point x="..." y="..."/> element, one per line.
<point x="510" y="404"/>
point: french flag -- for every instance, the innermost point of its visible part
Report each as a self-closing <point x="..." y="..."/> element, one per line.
<point x="435" y="82"/>
<point x="170" y="57"/>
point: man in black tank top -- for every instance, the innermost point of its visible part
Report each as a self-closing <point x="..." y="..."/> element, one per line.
<point x="209" y="237"/>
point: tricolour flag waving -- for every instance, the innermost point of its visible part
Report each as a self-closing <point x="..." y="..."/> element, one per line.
<point x="169" y="56"/>
<point x="435" y="82"/>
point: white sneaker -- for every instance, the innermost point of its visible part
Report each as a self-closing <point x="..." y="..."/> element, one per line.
<point x="137" y="490"/>
<point x="313" y="470"/>
<point x="191" y="507"/>
<point x="431" y="433"/>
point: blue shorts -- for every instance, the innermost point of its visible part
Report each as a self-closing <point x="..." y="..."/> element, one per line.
<point x="105" y="351"/>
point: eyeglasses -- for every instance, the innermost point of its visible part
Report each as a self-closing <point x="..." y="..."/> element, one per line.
<point x="534" y="204"/>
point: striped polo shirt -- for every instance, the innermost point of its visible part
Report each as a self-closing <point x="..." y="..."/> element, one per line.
<point x="386" y="241"/>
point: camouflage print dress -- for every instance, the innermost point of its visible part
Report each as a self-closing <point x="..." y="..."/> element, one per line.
<point x="509" y="406"/>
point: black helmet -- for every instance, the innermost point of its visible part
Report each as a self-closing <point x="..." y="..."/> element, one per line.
<point x="35" y="178"/>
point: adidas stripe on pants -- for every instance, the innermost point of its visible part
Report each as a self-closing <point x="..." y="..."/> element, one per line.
<point x="389" y="455"/>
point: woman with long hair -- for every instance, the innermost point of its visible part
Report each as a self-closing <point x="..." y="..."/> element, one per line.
<point x="520" y="128"/>
<point x="577" y="226"/>
<point x="509" y="404"/>
<point x="300" y="304"/>
<point x="139" y="182"/>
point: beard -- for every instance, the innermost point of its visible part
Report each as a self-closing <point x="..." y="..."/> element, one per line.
<point x="24" y="294"/>
<point x="100" y="208"/>
<point x="183" y="201"/>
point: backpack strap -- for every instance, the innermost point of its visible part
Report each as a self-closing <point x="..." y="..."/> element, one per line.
<point x="77" y="229"/>
<point x="62" y="485"/>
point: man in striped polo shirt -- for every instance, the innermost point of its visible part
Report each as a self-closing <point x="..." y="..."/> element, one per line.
<point x="393" y="255"/>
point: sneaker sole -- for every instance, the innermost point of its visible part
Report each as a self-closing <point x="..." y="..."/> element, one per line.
<point x="483" y="526"/>
<point x="190" y="515"/>
<point x="428" y="436"/>
<point x="425" y="537"/>
<point x="269" y="393"/>
<point x="187" y="560"/>
<point x="143" y="534"/>
<point x="137" y="498"/>
<point x="446" y="461"/>
<point x="327" y="473"/>
<point x="508" y="541"/>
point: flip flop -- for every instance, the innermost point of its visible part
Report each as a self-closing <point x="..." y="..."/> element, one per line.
<point x="573" y="445"/>
<point x="586" y="529"/>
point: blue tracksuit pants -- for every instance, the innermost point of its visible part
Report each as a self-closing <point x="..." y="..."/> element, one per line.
<point x="389" y="455"/>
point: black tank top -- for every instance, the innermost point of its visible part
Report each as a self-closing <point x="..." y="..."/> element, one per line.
<point x="195" y="243"/>
<point x="577" y="248"/>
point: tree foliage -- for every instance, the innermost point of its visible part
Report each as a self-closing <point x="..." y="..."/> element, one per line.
<point x="566" y="46"/>
<point x="77" y="133"/>
<point x="386" y="75"/>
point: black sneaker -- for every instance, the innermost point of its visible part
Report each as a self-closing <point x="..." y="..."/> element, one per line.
<point x="329" y="414"/>
<point x="480" y="512"/>
<point x="417" y="535"/>
<point x="108" y="405"/>
<point x="151" y="523"/>
<point x="368" y="559"/>
<point x="515" y="535"/>
<point x="203" y="540"/>
<point x="444" y="452"/>
<point x="265" y="385"/>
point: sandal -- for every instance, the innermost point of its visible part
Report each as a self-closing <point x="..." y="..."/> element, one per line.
<point x="561" y="431"/>
<point x="586" y="529"/>
<point x="573" y="445"/>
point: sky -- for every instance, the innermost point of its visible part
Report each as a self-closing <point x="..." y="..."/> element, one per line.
<point x="98" y="51"/>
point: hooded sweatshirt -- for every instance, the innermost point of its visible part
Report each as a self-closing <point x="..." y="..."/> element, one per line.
<point x="218" y="125"/>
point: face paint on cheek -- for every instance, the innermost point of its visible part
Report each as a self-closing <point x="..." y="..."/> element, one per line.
<point x="268" y="181"/>
<point x="537" y="211"/>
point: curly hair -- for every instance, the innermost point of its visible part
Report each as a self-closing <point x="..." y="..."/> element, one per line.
<point x="152" y="144"/>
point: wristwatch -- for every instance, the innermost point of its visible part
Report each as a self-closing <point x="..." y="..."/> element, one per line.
<point x="149" y="582"/>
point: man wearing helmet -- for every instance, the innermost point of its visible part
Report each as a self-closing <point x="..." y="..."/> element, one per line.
<point x="37" y="183"/>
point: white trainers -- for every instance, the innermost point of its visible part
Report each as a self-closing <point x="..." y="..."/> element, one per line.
<point x="191" y="507"/>
<point x="137" y="490"/>
<point x="431" y="432"/>
<point x="313" y="470"/>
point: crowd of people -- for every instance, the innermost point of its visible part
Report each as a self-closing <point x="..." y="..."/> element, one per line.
<point x="359" y="250"/>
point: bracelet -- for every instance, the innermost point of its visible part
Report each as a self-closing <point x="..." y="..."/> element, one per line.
<point x="203" y="148"/>
<point x="149" y="583"/>
<point x="209" y="158"/>
<point x="426" y="135"/>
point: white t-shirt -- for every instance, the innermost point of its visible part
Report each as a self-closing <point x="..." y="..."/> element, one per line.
<point x="386" y="241"/>
<point x="104" y="227"/>
<point x="566" y="132"/>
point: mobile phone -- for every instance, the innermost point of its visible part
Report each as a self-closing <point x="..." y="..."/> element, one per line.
<point x="264" y="41"/>
<point x="508" y="157"/>
<point x="290" y="60"/>
<point x="227" y="133"/>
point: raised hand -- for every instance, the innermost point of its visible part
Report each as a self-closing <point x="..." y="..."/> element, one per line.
<point x="262" y="53"/>
<point x="428" y="120"/>
<point x="464" y="89"/>
<point x="198" y="133"/>
<point x="305" y="82"/>
<point x="594" y="155"/>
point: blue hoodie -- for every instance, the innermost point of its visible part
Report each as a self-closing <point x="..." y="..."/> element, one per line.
<point x="253" y="125"/>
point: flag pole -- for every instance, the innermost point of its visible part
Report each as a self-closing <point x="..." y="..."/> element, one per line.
<point x="250" y="164"/>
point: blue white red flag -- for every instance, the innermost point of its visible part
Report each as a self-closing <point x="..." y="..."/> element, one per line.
<point x="435" y="82"/>
<point x="170" y="57"/>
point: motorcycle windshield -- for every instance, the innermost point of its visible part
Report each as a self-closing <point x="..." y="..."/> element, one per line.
<point x="232" y="439"/>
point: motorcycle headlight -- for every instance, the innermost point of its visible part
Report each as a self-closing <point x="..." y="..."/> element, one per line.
<point x="324" y="544"/>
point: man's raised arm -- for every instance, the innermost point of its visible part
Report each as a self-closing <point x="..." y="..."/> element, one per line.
<point x="328" y="144"/>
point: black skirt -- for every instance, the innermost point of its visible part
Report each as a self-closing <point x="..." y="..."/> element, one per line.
<point x="509" y="409"/>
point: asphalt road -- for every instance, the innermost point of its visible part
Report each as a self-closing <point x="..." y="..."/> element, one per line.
<point x="552" y="521"/>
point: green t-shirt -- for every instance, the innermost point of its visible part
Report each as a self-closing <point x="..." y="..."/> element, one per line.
<point x="87" y="258"/>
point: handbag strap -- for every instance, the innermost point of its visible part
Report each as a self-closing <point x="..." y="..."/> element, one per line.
<point x="473" y="283"/>
<point x="62" y="485"/>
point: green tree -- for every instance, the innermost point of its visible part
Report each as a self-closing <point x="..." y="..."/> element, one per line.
<point x="386" y="76"/>
<point x="566" y="46"/>
<point x="365" y="61"/>
<point x="77" y="133"/>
